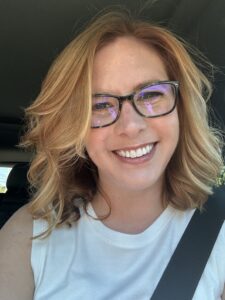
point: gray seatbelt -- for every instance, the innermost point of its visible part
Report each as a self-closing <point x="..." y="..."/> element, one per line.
<point x="182" y="274"/>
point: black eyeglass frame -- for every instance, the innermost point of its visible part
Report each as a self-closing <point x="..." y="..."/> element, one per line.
<point x="130" y="98"/>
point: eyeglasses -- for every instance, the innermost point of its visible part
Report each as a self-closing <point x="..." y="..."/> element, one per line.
<point x="152" y="101"/>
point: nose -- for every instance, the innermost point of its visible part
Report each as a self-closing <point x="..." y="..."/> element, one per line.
<point x="130" y="123"/>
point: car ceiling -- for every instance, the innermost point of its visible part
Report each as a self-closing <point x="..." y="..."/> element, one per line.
<point x="32" y="33"/>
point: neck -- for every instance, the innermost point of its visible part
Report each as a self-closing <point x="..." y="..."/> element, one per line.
<point x="130" y="211"/>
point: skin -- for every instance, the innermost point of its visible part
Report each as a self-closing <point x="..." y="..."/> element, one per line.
<point x="134" y="186"/>
<point x="16" y="275"/>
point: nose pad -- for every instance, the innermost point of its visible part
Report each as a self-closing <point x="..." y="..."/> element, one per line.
<point x="130" y="122"/>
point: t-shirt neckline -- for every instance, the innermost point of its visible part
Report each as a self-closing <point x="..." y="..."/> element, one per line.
<point x="129" y="240"/>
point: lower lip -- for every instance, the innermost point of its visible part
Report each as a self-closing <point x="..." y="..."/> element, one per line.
<point x="138" y="160"/>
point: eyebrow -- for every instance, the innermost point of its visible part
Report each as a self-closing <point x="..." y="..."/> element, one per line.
<point x="145" y="83"/>
<point x="136" y="87"/>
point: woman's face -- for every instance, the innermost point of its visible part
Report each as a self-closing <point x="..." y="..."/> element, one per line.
<point x="119" y="68"/>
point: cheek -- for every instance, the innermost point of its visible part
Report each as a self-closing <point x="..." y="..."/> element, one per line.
<point x="172" y="128"/>
<point x="168" y="129"/>
<point x="96" y="142"/>
<point x="173" y="131"/>
<point x="90" y="144"/>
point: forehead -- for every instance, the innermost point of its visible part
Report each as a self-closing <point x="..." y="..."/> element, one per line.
<point x="125" y="63"/>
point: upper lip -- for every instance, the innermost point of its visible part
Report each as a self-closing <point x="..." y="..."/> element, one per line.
<point x="135" y="147"/>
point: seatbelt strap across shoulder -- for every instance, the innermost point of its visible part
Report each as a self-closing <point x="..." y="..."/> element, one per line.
<point x="184" y="270"/>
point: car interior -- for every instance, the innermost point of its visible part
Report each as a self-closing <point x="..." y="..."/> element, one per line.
<point x="32" y="34"/>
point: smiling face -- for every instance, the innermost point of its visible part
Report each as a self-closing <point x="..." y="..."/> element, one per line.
<point x="131" y="154"/>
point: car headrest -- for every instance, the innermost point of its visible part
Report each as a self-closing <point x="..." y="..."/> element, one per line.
<point x="17" y="178"/>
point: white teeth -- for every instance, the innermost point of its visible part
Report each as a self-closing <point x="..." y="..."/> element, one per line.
<point x="127" y="154"/>
<point x="123" y="153"/>
<point x="139" y="152"/>
<point x="132" y="153"/>
<point x="135" y="153"/>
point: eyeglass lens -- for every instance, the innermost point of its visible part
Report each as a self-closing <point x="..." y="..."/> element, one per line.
<point x="151" y="101"/>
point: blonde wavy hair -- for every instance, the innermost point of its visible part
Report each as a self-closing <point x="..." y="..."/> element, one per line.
<point x="59" y="123"/>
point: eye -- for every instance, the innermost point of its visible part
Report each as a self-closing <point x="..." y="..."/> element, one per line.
<point x="150" y="95"/>
<point x="100" y="104"/>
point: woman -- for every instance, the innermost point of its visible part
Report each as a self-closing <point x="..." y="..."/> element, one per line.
<point x="122" y="150"/>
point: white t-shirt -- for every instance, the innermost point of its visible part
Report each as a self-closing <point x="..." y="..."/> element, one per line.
<point x="90" y="261"/>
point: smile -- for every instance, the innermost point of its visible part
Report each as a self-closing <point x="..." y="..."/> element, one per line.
<point x="139" y="152"/>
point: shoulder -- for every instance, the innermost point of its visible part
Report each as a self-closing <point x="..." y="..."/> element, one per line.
<point x="18" y="229"/>
<point x="15" y="252"/>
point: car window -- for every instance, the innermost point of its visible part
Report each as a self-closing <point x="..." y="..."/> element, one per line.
<point x="4" y="173"/>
